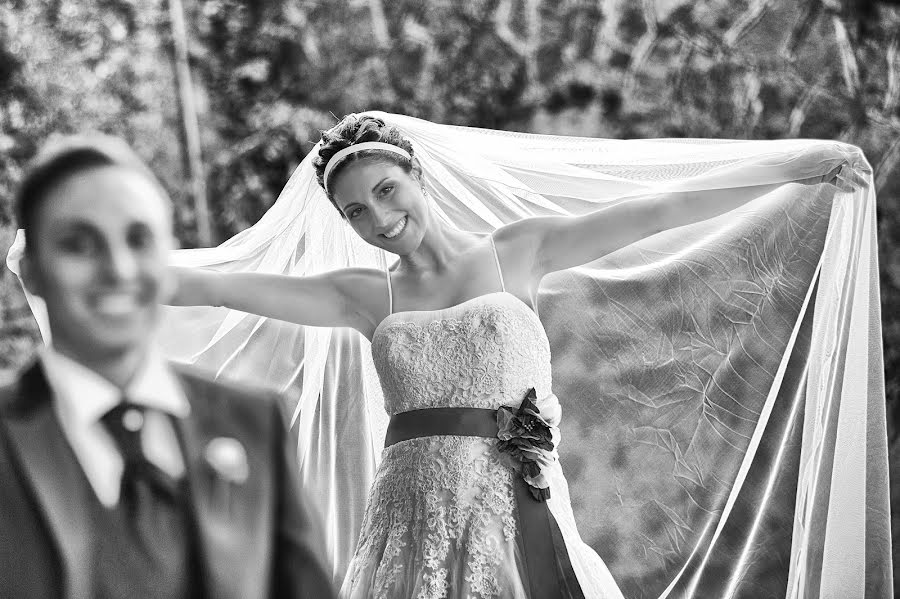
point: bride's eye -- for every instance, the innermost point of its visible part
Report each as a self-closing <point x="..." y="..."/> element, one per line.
<point x="386" y="189"/>
<point x="355" y="212"/>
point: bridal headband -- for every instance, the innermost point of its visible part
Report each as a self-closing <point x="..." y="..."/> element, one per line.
<point x="366" y="145"/>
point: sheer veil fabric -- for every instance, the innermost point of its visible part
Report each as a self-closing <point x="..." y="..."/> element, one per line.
<point x="723" y="429"/>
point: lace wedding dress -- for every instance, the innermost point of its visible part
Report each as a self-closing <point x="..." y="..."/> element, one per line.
<point x="441" y="518"/>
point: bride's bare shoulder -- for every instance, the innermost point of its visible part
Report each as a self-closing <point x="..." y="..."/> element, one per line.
<point x="366" y="290"/>
<point x="353" y="277"/>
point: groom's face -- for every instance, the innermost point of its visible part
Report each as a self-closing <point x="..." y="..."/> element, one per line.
<point x="97" y="255"/>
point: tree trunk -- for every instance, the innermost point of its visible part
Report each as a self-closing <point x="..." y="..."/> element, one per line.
<point x="190" y="124"/>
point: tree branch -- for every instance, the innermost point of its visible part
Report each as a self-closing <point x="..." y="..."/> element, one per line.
<point x="502" y="17"/>
<point x="746" y="22"/>
<point x="416" y="33"/>
<point x="885" y="123"/>
<point x="682" y="64"/>
<point x="892" y="91"/>
<point x="801" y="29"/>
<point x="379" y="24"/>
<point x="700" y="41"/>
<point x="297" y="19"/>
<point x="798" y="113"/>
<point x="752" y="106"/>
<point x="526" y="48"/>
<point x="850" y="69"/>
<point x="190" y="123"/>
<point x="887" y="164"/>
<point x="643" y="48"/>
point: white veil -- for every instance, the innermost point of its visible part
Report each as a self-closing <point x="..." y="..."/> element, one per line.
<point x="723" y="424"/>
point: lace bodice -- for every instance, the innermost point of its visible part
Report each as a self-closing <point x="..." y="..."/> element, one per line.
<point x="483" y="353"/>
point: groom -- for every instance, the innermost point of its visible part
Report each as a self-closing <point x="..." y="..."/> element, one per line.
<point x="121" y="475"/>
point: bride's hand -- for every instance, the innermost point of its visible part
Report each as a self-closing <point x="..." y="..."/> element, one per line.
<point x="842" y="176"/>
<point x="829" y="177"/>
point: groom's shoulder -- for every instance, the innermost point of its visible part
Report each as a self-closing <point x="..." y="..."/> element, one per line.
<point x="9" y="380"/>
<point x="219" y="394"/>
<point x="15" y="384"/>
<point x="9" y="390"/>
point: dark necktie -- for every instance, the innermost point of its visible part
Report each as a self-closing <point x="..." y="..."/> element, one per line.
<point x="150" y="499"/>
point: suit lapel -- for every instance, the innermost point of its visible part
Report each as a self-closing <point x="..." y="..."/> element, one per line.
<point x="60" y="486"/>
<point x="230" y="518"/>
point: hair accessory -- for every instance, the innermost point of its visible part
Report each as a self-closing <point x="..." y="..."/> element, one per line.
<point x="366" y="145"/>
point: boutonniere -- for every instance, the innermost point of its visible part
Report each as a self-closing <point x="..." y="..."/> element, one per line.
<point x="529" y="436"/>
<point x="228" y="459"/>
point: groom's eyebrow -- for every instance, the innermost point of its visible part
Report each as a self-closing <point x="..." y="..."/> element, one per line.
<point x="75" y="226"/>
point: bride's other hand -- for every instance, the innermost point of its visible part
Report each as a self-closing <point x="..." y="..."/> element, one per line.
<point x="831" y="176"/>
<point x="842" y="176"/>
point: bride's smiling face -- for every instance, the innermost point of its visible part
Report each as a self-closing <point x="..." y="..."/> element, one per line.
<point x="383" y="203"/>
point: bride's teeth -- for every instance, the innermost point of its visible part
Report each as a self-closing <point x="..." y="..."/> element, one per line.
<point x="397" y="228"/>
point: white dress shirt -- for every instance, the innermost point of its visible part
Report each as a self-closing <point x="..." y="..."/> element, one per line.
<point x="82" y="397"/>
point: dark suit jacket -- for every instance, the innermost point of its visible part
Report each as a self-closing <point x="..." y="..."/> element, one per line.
<point x="256" y="539"/>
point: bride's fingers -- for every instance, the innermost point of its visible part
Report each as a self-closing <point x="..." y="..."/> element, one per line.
<point x="832" y="175"/>
<point x="842" y="176"/>
<point x="829" y="177"/>
<point x="852" y="179"/>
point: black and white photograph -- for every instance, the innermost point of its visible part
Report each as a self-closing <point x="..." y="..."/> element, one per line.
<point x="490" y="299"/>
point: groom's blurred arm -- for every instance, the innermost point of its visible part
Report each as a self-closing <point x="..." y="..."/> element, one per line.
<point x="301" y="569"/>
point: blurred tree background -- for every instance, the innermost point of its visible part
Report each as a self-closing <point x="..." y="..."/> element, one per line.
<point x="268" y="75"/>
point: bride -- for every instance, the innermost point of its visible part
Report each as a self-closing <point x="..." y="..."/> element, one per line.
<point x="469" y="499"/>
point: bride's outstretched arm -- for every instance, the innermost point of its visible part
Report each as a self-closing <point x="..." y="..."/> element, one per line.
<point x="558" y="242"/>
<point x="328" y="299"/>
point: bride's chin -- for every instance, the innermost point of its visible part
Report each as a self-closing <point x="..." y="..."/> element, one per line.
<point x="398" y="251"/>
<point x="383" y="244"/>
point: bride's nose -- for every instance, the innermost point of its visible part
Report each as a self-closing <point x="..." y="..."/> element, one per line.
<point x="380" y="217"/>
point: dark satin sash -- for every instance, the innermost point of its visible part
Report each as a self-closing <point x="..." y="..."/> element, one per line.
<point x="548" y="568"/>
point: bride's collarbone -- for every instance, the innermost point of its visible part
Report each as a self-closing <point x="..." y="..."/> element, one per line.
<point x="378" y="312"/>
<point x="452" y="295"/>
<point x="436" y="293"/>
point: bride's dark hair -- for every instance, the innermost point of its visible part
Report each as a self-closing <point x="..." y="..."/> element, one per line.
<point x="353" y="129"/>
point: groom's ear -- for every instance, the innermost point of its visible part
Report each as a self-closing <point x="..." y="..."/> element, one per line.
<point x="29" y="272"/>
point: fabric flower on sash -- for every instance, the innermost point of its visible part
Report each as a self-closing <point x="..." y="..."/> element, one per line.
<point x="529" y="435"/>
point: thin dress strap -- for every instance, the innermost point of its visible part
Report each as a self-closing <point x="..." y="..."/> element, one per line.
<point x="497" y="262"/>
<point x="387" y="273"/>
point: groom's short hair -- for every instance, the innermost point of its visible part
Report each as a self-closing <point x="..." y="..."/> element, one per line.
<point x="63" y="157"/>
